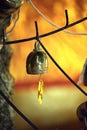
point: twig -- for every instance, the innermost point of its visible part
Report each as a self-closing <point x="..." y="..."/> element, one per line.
<point x="49" y="33"/>
<point x="62" y="69"/>
<point x="67" y="19"/>
<point x="52" y="23"/>
<point x="76" y="85"/>
<point x="37" y="34"/>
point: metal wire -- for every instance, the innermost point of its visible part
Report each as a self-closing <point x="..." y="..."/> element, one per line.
<point x="52" y="23"/>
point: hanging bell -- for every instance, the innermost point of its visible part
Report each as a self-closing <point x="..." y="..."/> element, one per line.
<point x="37" y="61"/>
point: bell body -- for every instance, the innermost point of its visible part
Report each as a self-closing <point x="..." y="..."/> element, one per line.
<point x="37" y="62"/>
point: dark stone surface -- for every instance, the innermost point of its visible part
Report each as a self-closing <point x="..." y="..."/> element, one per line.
<point x="6" y="85"/>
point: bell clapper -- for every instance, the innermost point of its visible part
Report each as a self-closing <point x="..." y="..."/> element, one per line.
<point x="40" y="90"/>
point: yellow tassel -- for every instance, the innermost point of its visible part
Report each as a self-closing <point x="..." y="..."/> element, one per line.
<point x="40" y="91"/>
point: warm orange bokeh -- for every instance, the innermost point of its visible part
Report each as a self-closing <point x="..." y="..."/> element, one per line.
<point x="68" y="50"/>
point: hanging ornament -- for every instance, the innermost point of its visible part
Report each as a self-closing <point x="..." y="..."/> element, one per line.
<point x="37" y="63"/>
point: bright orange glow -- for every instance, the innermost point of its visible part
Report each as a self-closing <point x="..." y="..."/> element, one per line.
<point x="60" y="100"/>
<point x="68" y="50"/>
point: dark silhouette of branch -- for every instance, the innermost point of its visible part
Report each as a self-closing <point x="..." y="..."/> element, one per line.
<point x="49" y="33"/>
<point x="76" y="85"/>
<point x="67" y="18"/>
<point x="58" y="66"/>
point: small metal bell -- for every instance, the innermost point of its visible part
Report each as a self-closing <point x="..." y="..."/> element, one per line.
<point x="37" y="61"/>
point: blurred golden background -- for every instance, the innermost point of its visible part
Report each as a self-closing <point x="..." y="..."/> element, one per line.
<point x="61" y="99"/>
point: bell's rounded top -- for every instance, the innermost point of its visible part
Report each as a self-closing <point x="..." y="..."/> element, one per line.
<point x="37" y="62"/>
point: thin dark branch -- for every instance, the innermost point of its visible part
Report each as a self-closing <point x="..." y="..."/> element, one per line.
<point x="49" y="33"/>
<point x="62" y="69"/>
<point x="37" y="34"/>
<point x="67" y="18"/>
<point x="18" y="111"/>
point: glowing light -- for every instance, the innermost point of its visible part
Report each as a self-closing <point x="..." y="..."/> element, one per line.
<point x="63" y="47"/>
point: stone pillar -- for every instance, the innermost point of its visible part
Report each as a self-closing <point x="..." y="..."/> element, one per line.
<point x="6" y="85"/>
